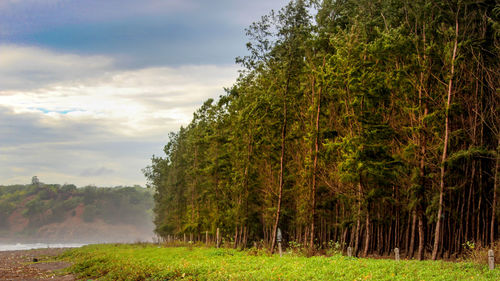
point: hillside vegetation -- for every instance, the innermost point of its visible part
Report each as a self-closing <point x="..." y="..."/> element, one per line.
<point x="371" y="124"/>
<point x="51" y="212"/>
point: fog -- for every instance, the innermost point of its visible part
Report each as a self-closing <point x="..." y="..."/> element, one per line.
<point x="53" y="214"/>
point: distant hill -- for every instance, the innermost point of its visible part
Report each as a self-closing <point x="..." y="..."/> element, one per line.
<point x="51" y="212"/>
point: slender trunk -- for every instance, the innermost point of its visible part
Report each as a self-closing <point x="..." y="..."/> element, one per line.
<point x="245" y="235"/>
<point x="367" y="237"/>
<point x="437" y="234"/>
<point x="420" y="207"/>
<point x="352" y="235"/>
<point x="396" y="224"/>
<point x="381" y="241"/>
<point x="315" y="167"/>
<point x="358" y="222"/>
<point x="282" y="167"/>
<point x="407" y="234"/>
<point x="413" y="230"/>
<point x="245" y="182"/>
<point x="478" y="221"/>
<point x="421" y="237"/>
<point x="469" y="200"/>
<point x="344" y="237"/>
<point x="235" y="245"/>
<point x="495" y="185"/>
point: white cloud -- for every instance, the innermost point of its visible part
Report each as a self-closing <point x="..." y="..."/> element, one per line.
<point x="66" y="86"/>
<point x="24" y="67"/>
<point x="95" y="117"/>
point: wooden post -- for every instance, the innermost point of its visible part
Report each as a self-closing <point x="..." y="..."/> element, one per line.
<point x="396" y="254"/>
<point x="491" y="259"/>
<point x="279" y="238"/>
<point x="218" y="240"/>
<point x="349" y="251"/>
<point x="206" y="237"/>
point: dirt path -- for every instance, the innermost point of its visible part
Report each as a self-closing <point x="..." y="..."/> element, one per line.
<point x="19" y="265"/>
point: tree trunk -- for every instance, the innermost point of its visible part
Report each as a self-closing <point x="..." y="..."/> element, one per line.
<point x="235" y="245"/>
<point x="315" y="166"/>
<point x="420" y="207"/>
<point x="495" y="185"/>
<point x="282" y="167"/>
<point x="358" y="222"/>
<point x="245" y="237"/>
<point x="413" y="230"/>
<point x="437" y="234"/>
<point x="368" y="234"/>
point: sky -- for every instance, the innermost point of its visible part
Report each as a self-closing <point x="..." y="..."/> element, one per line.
<point x="90" y="89"/>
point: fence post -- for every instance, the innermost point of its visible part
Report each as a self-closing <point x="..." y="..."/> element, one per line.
<point x="279" y="238"/>
<point x="491" y="259"/>
<point x="396" y="254"/>
<point x="349" y="251"/>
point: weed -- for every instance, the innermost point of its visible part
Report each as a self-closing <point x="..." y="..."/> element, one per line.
<point x="150" y="262"/>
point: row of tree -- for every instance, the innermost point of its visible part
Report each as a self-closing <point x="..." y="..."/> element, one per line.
<point x="374" y="124"/>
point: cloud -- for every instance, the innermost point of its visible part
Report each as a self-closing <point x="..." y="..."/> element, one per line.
<point x="90" y="87"/>
<point x="80" y="87"/>
<point x="60" y="130"/>
<point x="92" y="172"/>
<point x="24" y="67"/>
<point x="137" y="33"/>
<point x="63" y="149"/>
<point x="124" y="107"/>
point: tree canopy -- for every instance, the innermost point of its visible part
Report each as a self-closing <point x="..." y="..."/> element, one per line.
<point x="374" y="124"/>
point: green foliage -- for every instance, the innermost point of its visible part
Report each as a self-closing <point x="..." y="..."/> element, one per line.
<point x="45" y="204"/>
<point x="343" y="113"/>
<point x="149" y="262"/>
<point x="90" y="213"/>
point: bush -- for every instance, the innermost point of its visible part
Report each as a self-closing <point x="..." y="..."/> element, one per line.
<point x="477" y="253"/>
<point x="90" y="213"/>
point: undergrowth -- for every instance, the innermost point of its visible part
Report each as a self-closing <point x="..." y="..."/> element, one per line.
<point x="155" y="262"/>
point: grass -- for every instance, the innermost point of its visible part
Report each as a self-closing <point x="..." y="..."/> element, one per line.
<point x="151" y="262"/>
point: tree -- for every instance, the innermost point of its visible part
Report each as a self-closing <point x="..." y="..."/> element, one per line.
<point x="341" y="119"/>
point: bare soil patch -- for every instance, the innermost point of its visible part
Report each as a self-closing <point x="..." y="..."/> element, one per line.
<point x="19" y="265"/>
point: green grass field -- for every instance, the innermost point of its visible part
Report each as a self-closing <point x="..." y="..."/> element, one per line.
<point x="150" y="262"/>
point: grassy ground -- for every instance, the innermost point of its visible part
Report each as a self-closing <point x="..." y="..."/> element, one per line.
<point x="150" y="262"/>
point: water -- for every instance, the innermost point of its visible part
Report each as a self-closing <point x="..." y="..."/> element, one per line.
<point x="20" y="246"/>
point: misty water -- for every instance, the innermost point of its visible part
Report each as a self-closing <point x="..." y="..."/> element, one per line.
<point x="30" y="246"/>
